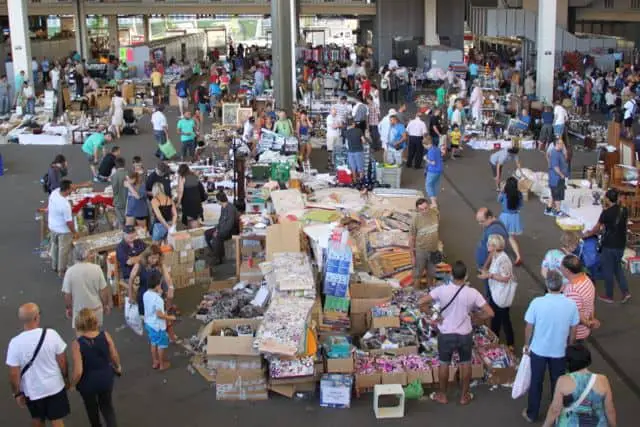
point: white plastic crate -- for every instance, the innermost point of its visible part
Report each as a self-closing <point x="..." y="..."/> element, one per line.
<point x="389" y="176"/>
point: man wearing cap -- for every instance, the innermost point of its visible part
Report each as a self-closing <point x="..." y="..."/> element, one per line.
<point x="384" y="127"/>
<point x="397" y="142"/>
<point x="128" y="251"/>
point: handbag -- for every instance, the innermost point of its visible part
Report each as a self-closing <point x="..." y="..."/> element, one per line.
<point x="503" y="293"/>
<point x="523" y="377"/>
<point x="26" y="367"/>
<point x="167" y="149"/>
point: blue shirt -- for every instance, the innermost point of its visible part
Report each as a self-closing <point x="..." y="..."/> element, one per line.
<point x="525" y="119"/>
<point x="496" y="227"/>
<point x="434" y="155"/>
<point x="556" y="160"/>
<point x="501" y="157"/>
<point x="552" y="317"/>
<point x="395" y="133"/>
<point x="502" y="198"/>
<point x="473" y="69"/>
<point x="153" y="303"/>
<point x="181" y="89"/>
<point x="214" y="89"/>
<point x="547" y="118"/>
<point x="124" y="252"/>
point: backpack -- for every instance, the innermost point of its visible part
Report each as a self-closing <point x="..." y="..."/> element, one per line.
<point x="181" y="90"/>
<point x="384" y="83"/>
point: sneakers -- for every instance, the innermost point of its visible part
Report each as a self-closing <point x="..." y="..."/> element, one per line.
<point x="526" y="417"/>
<point x="608" y="300"/>
<point x="549" y="211"/>
<point x="626" y="297"/>
<point x="561" y="214"/>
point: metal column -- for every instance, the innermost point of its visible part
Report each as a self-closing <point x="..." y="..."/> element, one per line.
<point x="546" y="46"/>
<point x="20" y="42"/>
<point x="114" y="36"/>
<point x="82" y="34"/>
<point x="283" y="18"/>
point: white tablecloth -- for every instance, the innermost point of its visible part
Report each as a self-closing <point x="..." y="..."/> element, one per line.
<point x="587" y="215"/>
<point x="482" y="144"/>
<point x="42" y="139"/>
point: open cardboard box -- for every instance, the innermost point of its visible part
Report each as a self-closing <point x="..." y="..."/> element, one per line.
<point x="231" y="346"/>
<point x="364" y="296"/>
<point x="385" y="322"/>
<point x="394" y="378"/>
<point x="364" y="381"/>
<point x="425" y="377"/>
<point x="283" y="238"/>
<point x="339" y="366"/>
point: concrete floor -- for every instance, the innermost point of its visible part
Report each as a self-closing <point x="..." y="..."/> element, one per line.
<point x="178" y="397"/>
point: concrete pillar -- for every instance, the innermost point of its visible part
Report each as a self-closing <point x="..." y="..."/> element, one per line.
<point x="114" y="41"/>
<point x="146" y="28"/>
<point x="283" y="20"/>
<point x="546" y="47"/>
<point x="562" y="10"/>
<point x="81" y="30"/>
<point x="431" y="23"/>
<point x="20" y="43"/>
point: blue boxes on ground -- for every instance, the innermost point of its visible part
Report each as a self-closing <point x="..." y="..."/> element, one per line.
<point x="335" y="391"/>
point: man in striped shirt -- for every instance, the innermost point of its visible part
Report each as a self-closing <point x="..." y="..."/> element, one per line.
<point x="373" y="121"/>
<point x="344" y="112"/>
<point x="581" y="290"/>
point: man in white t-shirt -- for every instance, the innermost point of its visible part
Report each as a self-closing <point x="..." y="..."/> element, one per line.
<point x="416" y="129"/>
<point x="560" y="116"/>
<point x="629" y="109"/>
<point x="54" y="75"/>
<point x="84" y="286"/>
<point x="38" y="381"/>
<point x="160" y="127"/>
<point x="334" y="126"/>
<point x="61" y="227"/>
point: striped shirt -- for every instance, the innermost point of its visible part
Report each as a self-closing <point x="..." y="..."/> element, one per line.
<point x="374" y="115"/>
<point x="343" y="112"/>
<point x="582" y="291"/>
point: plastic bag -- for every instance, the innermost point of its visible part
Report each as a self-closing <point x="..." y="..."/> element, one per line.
<point x="523" y="378"/>
<point x="413" y="390"/>
<point x="132" y="316"/>
<point x="168" y="150"/>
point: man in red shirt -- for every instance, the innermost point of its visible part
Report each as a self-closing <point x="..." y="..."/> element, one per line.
<point x="581" y="290"/>
<point x="365" y="86"/>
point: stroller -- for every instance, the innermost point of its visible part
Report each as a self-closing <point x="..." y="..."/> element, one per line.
<point x="130" y="123"/>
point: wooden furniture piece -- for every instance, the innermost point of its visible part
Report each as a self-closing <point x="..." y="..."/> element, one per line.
<point x="627" y="152"/>
<point x="248" y="269"/>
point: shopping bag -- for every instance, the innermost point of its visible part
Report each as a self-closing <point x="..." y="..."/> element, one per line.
<point x="132" y="316"/>
<point x="413" y="390"/>
<point x="523" y="378"/>
<point x="168" y="150"/>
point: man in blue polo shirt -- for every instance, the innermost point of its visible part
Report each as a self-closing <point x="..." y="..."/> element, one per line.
<point x="558" y="173"/>
<point x="551" y="322"/>
<point x="397" y="141"/>
<point x="128" y="251"/>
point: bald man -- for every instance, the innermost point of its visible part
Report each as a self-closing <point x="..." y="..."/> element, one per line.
<point x="38" y="370"/>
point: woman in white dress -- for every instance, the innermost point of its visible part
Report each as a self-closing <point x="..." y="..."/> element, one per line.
<point x="117" y="113"/>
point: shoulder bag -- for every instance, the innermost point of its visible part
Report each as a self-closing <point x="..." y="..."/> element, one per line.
<point x="35" y="353"/>
<point x="503" y="293"/>
<point x="452" y="299"/>
<point x="584" y="417"/>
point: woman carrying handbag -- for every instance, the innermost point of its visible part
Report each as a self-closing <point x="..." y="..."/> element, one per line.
<point x="502" y="287"/>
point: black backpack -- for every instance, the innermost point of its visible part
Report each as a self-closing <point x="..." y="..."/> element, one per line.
<point x="45" y="182"/>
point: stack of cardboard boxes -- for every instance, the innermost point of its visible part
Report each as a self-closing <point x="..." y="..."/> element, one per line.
<point x="185" y="260"/>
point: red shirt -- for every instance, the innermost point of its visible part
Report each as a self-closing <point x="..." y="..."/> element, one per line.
<point x="366" y="88"/>
<point x="213" y="78"/>
<point x="581" y="291"/>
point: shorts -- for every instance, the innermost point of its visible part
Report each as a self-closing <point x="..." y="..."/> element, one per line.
<point x="157" y="90"/>
<point x="183" y="103"/>
<point x="425" y="260"/>
<point x="557" y="192"/>
<point x="628" y="122"/>
<point x="332" y="141"/>
<point x="159" y="338"/>
<point x="558" y="129"/>
<point x="91" y="158"/>
<point x="450" y="343"/>
<point x="203" y="107"/>
<point x="54" y="407"/>
<point x="432" y="184"/>
<point x="188" y="148"/>
<point x="159" y="232"/>
<point x="356" y="161"/>
<point x="494" y="170"/>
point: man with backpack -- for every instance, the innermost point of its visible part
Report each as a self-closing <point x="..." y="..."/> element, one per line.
<point x="182" y="91"/>
<point x="56" y="172"/>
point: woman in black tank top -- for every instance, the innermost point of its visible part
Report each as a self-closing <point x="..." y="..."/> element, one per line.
<point x="164" y="211"/>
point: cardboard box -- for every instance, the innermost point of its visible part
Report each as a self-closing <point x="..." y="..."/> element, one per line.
<point x="425" y="377"/>
<point x="364" y="296"/>
<point x="339" y="366"/>
<point x="180" y="241"/>
<point x="283" y="238"/>
<point x="289" y="390"/>
<point x="477" y="371"/>
<point x="396" y="351"/>
<point x="365" y="381"/>
<point x="358" y="323"/>
<point x="231" y="346"/>
<point x="219" y="285"/>
<point x="241" y="385"/>
<point x="385" y="322"/>
<point x="171" y="258"/>
<point x="394" y="378"/>
<point x="500" y="375"/>
<point x="335" y="391"/>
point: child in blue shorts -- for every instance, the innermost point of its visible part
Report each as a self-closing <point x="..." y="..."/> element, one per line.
<point x="155" y="322"/>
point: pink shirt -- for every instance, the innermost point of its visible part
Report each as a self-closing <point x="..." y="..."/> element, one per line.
<point x="455" y="319"/>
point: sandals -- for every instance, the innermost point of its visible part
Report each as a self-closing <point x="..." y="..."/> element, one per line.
<point x="438" y="398"/>
<point x="467" y="398"/>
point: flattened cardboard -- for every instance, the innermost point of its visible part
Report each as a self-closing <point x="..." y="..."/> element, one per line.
<point x="477" y="371"/>
<point x="358" y="323"/>
<point x="283" y="238"/>
<point x="219" y="285"/>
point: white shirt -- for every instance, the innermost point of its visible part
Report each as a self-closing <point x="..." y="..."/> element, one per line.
<point x="559" y="115"/>
<point x="456" y="117"/>
<point x="34" y="66"/>
<point x="610" y="98"/>
<point x="332" y="121"/>
<point x="153" y="303"/>
<point x="84" y="281"/>
<point x="383" y="129"/>
<point x="628" y="108"/>
<point x="351" y="70"/>
<point x="27" y="92"/>
<point x="55" y="78"/>
<point x="159" y="121"/>
<point x="44" y="377"/>
<point x="416" y="127"/>
<point x="59" y="212"/>
<point x="247" y="133"/>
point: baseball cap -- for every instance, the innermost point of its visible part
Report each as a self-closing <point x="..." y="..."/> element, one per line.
<point x="392" y="112"/>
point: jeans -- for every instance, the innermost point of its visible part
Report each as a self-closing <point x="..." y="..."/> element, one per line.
<point x="188" y="149"/>
<point x="501" y="319"/>
<point x="416" y="151"/>
<point x="5" y="105"/>
<point x="409" y="94"/>
<point x="539" y="365"/>
<point x="375" y="137"/>
<point x="393" y="96"/>
<point x="96" y="403"/>
<point x="558" y="129"/>
<point x="435" y="139"/>
<point x="60" y="250"/>
<point x="394" y="157"/>
<point x="611" y="260"/>
<point x="31" y="106"/>
<point x="432" y="183"/>
<point x="159" y="232"/>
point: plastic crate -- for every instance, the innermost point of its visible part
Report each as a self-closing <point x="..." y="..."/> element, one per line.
<point x="389" y="176"/>
<point x="260" y="172"/>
